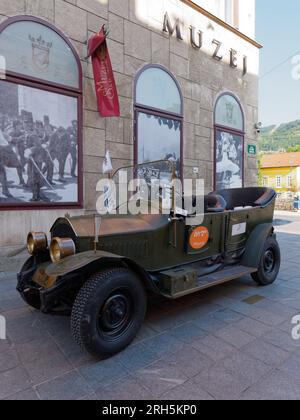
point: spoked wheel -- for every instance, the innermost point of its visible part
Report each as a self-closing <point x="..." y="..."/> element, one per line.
<point x="108" y="312"/>
<point x="270" y="263"/>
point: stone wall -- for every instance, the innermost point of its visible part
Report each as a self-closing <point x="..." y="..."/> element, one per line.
<point x="135" y="39"/>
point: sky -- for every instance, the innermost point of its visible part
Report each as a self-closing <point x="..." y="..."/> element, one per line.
<point x="278" y="30"/>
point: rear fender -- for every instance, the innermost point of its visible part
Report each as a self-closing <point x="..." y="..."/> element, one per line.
<point x="255" y="245"/>
<point x="92" y="262"/>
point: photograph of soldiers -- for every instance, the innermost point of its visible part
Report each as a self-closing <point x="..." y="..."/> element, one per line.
<point x="38" y="147"/>
<point x="229" y="162"/>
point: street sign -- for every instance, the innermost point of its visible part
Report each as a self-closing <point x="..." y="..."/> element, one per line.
<point x="252" y="149"/>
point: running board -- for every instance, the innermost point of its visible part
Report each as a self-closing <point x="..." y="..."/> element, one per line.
<point x="214" y="279"/>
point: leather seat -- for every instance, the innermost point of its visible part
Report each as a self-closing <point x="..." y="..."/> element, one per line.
<point x="247" y="197"/>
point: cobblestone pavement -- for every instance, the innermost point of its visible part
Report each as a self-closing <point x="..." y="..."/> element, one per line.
<point x="213" y="345"/>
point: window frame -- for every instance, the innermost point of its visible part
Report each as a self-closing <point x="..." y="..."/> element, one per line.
<point x="45" y="85"/>
<point x="229" y="130"/>
<point x="144" y="109"/>
<point x="279" y="178"/>
<point x="289" y="181"/>
<point x="265" y="181"/>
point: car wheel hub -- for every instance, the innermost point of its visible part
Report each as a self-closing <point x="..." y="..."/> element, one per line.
<point x="269" y="261"/>
<point x="115" y="315"/>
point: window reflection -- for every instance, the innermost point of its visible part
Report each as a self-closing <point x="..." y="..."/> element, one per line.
<point x="229" y="113"/>
<point x="159" y="139"/>
<point x="157" y="89"/>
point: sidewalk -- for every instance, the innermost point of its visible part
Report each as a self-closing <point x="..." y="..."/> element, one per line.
<point x="230" y="342"/>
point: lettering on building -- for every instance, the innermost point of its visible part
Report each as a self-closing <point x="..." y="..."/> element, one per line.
<point x="197" y="42"/>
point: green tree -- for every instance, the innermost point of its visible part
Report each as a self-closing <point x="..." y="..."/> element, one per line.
<point x="293" y="149"/>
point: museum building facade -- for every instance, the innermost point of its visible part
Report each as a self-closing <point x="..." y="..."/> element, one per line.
<point x="187" y="80"/>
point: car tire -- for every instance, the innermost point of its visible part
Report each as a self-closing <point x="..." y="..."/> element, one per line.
<point x="269" y="264"/>
<point x="108" y="312"/>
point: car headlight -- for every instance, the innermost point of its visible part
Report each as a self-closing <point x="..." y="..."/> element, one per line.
<point x="36" y="242"/>
<point x="61" y="248"/>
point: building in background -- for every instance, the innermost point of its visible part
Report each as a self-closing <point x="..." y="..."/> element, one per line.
<point x="187" y="78"/>
<point x="281" y="171"/>
<point x="237" y="13"/>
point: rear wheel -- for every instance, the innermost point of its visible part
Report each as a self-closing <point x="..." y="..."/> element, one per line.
<point x="108" y="312"/>
<point x="270" y="263"/>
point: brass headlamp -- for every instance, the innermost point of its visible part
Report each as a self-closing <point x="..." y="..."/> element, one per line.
<point x="61" y="248"/>
<point x="36" y="242"/>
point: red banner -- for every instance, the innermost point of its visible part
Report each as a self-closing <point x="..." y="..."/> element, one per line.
<point x="106" y="90"/>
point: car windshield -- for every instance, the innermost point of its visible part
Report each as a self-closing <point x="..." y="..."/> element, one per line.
<point x="149" y="181"/>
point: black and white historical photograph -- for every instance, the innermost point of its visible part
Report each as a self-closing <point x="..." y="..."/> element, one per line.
<point x="229" y="160"/>
<point x="38" y="146"/>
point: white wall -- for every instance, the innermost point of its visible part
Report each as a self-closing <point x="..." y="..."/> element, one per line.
<point x="246" y="13"/>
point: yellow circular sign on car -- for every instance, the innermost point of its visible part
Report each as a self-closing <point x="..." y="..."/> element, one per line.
<point x="199" y="237"/>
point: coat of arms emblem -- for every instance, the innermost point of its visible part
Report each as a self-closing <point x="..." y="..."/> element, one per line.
<point x="229" y="113"/>
<point x="40" y="52"/>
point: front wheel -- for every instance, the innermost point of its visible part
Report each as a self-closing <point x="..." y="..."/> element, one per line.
<point x="108" y="312"/>
<point x="269" y="265"/>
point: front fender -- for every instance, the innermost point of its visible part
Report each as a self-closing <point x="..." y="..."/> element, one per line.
<point x="78" y="261"/>
<point x="86" y="259"/>
<point x="255" y="245"/>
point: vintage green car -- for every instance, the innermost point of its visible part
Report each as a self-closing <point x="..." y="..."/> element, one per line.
<point x="104" y="285"/>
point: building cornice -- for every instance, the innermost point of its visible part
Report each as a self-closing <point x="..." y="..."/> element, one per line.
<point x="221" y="23"/>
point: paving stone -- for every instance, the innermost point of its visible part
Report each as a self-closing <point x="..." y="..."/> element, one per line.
<point x="74" y="354"/>
<point x="291" y="366"/>
<point x="219" y="383"/>
<point x="189" y="391"/>
<point x="189" y="361"/>
<point x="8" y="360"/>
<point x="214" y="348"/>
<point x="37" y="349"/>
<point x="136" y="357"/>
<point x="25" y="329"/>
<point x="13" y="381"/>
<point x="127" y="389"/>
<point x="245" y="368"/>
<point x="47" y="368"/>
<point x="293" y="301"/>
<point x="27" y="395"/>
<point x="279" y="386"/>
<point x="5" y="345"/>
<point x="276" y="308"/>
<point x="250" y="395"/>
<point x="160" y="378"/>
<point x="252" y="327"/>
<point x="70" y="386"/>
<point x="229" y="316"/>
<point x="259" y="314"/>
<point x="281" y="339"/>
<point x="13" y="303"/>
<point x="234" y="336"/>
<point x="188" y="333"/>
<point x="209" y="324"/>
<point x="145" y="333"/>
<point x="164" y="344"/>
<point x="103" y="372"/>
<point x="266" y="353"/>
<point x="293" y="284"/>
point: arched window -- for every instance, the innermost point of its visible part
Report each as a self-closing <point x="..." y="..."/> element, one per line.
<point x="158" y="117"/>
<point x="229" y="143"/>
<point x="40" y="116"/>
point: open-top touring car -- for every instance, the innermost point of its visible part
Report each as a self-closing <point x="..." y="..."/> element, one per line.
<point x="104" y="285"/>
